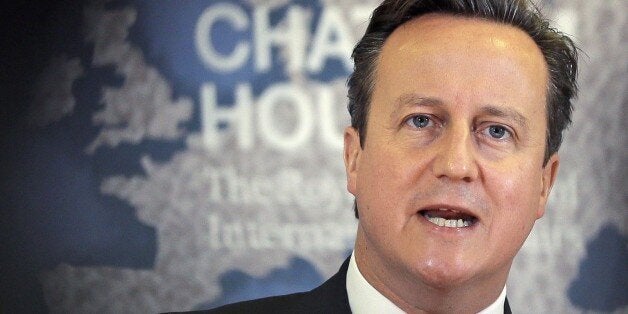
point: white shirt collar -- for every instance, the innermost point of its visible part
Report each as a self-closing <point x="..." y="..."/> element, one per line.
<point x="365" y="299"/>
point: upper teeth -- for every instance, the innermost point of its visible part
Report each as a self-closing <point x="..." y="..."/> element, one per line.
<point x="451" y="223"/>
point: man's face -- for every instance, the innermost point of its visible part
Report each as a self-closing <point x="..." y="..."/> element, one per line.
<point x="450" y="179"/>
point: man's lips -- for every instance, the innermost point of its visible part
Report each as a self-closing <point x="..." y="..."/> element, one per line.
<point x="444" y="216"/>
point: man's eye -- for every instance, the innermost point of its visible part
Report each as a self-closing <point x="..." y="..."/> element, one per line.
<point x="498" y="132"/>
<point x="420" y="121"/>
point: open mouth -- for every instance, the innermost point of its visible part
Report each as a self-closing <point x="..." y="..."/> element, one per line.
<point x="450" y="218"/>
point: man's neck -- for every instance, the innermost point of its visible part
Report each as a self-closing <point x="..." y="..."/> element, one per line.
<point x="413" y="296"/>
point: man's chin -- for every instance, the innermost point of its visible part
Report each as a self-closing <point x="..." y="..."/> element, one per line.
<point x="444" y="276"/>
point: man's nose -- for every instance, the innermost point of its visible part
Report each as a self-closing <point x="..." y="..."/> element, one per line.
<point x="455" y="158"/>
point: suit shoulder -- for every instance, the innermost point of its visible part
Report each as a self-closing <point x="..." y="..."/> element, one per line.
<point x="330" y="297"/>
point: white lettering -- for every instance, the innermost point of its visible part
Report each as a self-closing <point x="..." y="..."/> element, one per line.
<point x="240" y="115"/>
<point x="286" y="187"/>
<point x="296" y="237"/>
<point x="332" y="37"/>
<point x="331" y="40"/>
<point x="286" y="95"/>
<point x="210" y="57"/>
<point x="291" y="36"/>
<point x="285" y="117"/>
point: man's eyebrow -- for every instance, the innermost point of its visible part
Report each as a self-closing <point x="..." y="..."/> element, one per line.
<point x="417" y="100"/>
<point x="506" y="113"/>
<point x="412" y="100"/>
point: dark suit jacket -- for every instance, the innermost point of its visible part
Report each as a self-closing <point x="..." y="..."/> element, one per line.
<point x="330" y="297"/>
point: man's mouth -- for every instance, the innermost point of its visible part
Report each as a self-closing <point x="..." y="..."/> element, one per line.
<point x="450" y="218"/>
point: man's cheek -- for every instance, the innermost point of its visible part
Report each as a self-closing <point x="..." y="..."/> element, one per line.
<point x="509" y="183"/>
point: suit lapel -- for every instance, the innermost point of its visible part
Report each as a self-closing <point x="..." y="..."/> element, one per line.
<point x="332" y="294"/>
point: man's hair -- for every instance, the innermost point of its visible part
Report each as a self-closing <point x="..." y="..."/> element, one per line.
<point x="559" y="51"/>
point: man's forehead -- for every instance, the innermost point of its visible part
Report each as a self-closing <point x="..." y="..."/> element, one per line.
<point x="448" y="29"/>
<point x="436" y="41"/>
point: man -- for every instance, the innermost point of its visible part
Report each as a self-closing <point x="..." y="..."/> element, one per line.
<point x="457" y="109"/>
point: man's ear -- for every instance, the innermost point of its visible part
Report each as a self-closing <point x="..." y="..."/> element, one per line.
<point x="550" y="170"/>
<point x="351" y="156"/>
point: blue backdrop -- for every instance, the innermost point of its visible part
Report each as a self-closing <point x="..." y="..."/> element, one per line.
<point x="173" y="155"/>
